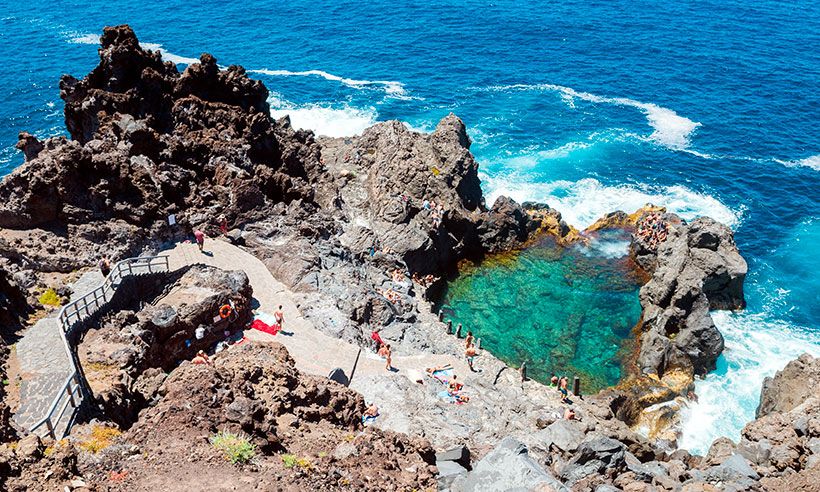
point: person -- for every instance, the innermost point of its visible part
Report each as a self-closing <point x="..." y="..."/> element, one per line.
<point x="554" y="381"/>
<point x="385" y="352"/>
<point x="569" y="414"/>
<point x="200" y="238"/>
<point x="425" y="204"/>
<point x="105" y="266"/>
<point x="470" y="354"/>
<point x="223" y="225"/>
<point x="201" y="358"/>
<point x="279" y="316"/>
<point x="370" y="413"/>
<point x="562" y="387"/>
<point x="377" y="339"/>
<point x="469" y="340"/>
<point x="432" y="370"/>
<point x="454" y="387"/>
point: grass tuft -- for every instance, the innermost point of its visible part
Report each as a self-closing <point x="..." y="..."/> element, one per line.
<point x="50" y="298"/>
<point x="290" y="461"/>
<point x="100" y="438"/>
<point x="236" y="447"/>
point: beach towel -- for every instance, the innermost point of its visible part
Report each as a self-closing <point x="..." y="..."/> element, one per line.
<point x="260" y="324"/>
<point x="443" y="376"/>
<point x="446" y="396"/>
<point x="369" y="419"/>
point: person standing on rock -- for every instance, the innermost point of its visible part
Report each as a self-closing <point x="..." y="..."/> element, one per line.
<point x="562" y="387"/>
<point x="105" y="266"/>
<point x="469" y="340"/>
<point x="279" y="315"/>
<point x="200" y="239"/>
<point x="388" y="356"/>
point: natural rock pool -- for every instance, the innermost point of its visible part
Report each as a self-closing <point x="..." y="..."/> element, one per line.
<point x="567" y="310"/>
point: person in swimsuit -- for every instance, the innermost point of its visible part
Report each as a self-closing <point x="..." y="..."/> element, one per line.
<point x="562" y="387"/>
<point x="200" y="239"/>
<point x="469" y="340"/>
<point x="470" y="354"/>
<point x="279" y="316"/>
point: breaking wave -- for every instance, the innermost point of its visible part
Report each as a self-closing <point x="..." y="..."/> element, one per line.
<point x="324" y="118"/>
<point x="670" y="129"/>
<point x="583" y="202"/>
<point x="390" y="87"/>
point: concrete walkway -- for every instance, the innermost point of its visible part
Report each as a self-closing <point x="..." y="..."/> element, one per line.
<point x="314" y="351"/>
<point x="44" y="363"/>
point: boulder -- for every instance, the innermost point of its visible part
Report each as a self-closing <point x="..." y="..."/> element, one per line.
<point x="566" y="435"/>
<point x="790" y="387"/>
<point x="509" y="467"/>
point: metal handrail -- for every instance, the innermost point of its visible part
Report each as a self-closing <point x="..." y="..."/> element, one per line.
<point x="105" y="292"/>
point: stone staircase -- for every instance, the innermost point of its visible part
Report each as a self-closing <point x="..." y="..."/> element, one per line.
<point x="51" y="390"/>
<point x="45" y="365"/>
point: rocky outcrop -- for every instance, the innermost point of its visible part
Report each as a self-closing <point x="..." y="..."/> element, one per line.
<point x="697" y="268"/>
<point x="796" y="383"/>
<point x="128" y="357"/>
<point x="13" y="311"/>
<point x="306" y="432"/>
<point x="148" y="142"/>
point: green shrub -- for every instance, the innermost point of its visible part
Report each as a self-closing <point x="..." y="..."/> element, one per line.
<point x="50" y="298"/>
<point x="237" y="448"/>
<point x="290" y="461"/>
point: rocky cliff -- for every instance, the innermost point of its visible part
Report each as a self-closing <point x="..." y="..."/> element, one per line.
<point x="362" y="230"/>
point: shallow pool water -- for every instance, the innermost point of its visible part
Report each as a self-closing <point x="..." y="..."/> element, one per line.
<point x="568" y="311"/>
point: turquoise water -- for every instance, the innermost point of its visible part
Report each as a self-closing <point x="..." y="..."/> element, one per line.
<point x="566" y="311"/>
<point x="709" y="108"/>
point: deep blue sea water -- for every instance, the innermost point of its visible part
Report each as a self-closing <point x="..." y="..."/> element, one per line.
<point x="710" y="108"/>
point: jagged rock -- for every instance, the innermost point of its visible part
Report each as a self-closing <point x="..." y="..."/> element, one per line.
<point x="721" y="448"/>
<point x="798" y="381"/>
<point x="698" y="268"/>
<point x="594" y="456"/>
<point x="564" y="434"/>
<point x="508" y="466"/>
<point x="29" y="448"/>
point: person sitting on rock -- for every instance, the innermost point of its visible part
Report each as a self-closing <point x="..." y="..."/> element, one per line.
<point x="569" y="414"/>
<point x="554" y="381"/>
<point x="201" y="358"/>
<point x="454" y="387"/>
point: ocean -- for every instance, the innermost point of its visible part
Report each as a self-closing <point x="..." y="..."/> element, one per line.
<point x="708" y="108"/>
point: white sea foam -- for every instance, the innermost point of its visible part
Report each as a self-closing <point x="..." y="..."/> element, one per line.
<point x="756" y="347"/>
<point x="605" y="248"/>
<point x="669" y="128"/>
<point x="85" y="39"/>
<point x="324" y="118"/>
<point x="390" y="87"/>
<point x="168" y="56"/>
<point x="812" y="162"/>
<point x="583" y="202"/>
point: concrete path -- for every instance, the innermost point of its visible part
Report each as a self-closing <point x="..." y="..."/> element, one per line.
<point x="314" y="351"/>
<point x="44" y="363"/>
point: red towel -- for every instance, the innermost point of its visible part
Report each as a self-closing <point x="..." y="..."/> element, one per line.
<point x="260" y="325"/>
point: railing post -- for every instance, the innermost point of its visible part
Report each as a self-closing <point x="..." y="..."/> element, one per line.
<point x="50" y="427"/>
<point x="576" y="386"/>
<point x="449" y="326"/>
<point x="523" y="371"/>
<point x="70" y="393"/>
<point x="441" y="315"/>
<point x="458" y="331"/>
<point x="477" y="343"/>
